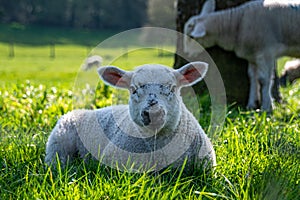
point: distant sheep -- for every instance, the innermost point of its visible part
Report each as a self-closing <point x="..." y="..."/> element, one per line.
<point x="258" y="31"/>
<point x="156" y="126"/>
<point x="92" y="61"/>
<point x="291" y="72"/>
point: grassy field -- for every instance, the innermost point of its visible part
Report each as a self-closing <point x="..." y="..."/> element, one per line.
<point x="258" y="155"/>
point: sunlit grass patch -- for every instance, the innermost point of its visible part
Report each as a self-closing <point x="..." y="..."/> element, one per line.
<point x="257" y="155"/>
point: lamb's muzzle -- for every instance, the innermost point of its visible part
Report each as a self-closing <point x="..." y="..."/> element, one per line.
<point x="153" y="117"/>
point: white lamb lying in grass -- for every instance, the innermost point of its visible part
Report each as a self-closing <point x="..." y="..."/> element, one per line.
<point x="258" y="31"/>
<point x="291" y="72"/>
<point x="155" y="130"/>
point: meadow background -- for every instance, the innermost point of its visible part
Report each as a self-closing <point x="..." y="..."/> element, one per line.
<point x="258" y="155"/>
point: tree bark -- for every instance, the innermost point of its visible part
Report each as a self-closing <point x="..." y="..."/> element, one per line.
<point x="232" y="69"/>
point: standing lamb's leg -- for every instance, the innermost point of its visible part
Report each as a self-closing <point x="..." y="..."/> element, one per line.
<point x="275" y="89"/>
<point x="253" y="94"/>
<point x="265" y="74"/>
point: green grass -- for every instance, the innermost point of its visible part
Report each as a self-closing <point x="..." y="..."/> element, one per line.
<point x="34" y="62"/>
<point x="32" y="58"/>
<point x="258" y="155"/>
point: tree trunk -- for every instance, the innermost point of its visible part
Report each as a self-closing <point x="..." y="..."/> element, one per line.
<point x="232" y="69"/>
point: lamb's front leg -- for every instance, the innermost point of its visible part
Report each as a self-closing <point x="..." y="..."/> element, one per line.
<point x="275" y="87"/>
<point x="253" y="99"/>
<point x="206" y="155"/>
<point x="265" y="73"/>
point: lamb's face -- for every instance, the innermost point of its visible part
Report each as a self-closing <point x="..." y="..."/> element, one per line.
<point x="190" y="25"/>
<point x="196" y="28"/>
<point x="190" y="47"/>
<point x="201" y="32"/>
<point x="154" y="98"/>
<point x="155" y="102"/>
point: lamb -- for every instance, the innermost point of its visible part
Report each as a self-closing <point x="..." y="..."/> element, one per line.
<point x="291" y="72"/>
<point x="258" y="31"/>
<point x="154" y="131"/>
<point x="92" y="61"/>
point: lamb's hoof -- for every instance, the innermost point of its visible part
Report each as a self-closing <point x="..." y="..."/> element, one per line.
<point x="268" y="110"/>
<point x="251" y="106"/>
<point x="278" y="98"/>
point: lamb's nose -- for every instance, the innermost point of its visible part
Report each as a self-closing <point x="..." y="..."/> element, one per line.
<point x="152" y="100"/>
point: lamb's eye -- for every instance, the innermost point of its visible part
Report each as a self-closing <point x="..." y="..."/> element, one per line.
<point x="173" y="88"/>
<point x="170" y="90"/>
<point x="191" y="26"/>
<point x="132" y="89"/>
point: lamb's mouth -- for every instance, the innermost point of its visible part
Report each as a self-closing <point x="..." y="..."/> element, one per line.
<point x="153" y="118"/>
<point x="156" y="126"/>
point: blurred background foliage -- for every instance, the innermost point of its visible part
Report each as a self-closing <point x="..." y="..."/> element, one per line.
<point x="92" y="14"/>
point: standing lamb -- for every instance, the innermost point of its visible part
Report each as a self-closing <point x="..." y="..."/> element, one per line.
<point x="291" y="72"/>
<point x="154" y="131"/>
<point x="258" y="31"/>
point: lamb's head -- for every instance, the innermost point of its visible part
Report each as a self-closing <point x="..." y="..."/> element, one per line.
<point x="196" y="28"/>
<point x="155" y="101"/>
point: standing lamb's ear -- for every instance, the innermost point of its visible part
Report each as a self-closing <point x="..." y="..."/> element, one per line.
<point x="208" y="7"/>
<point x="191" y="73"/>
<point x="115" y="77"/>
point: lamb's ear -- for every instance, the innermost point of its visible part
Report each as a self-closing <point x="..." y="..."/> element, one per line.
<point x="115" y="77"/>
<point x="208" y="7"/>
<point x="191" y="73"/>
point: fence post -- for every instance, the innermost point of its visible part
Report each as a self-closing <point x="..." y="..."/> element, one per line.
<point x="11" y="52"/>
<point x="160" y="52"/>
<point x="88" y="49"/>
<point x="126" y="51"/>
<point x="52" y="50"/>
